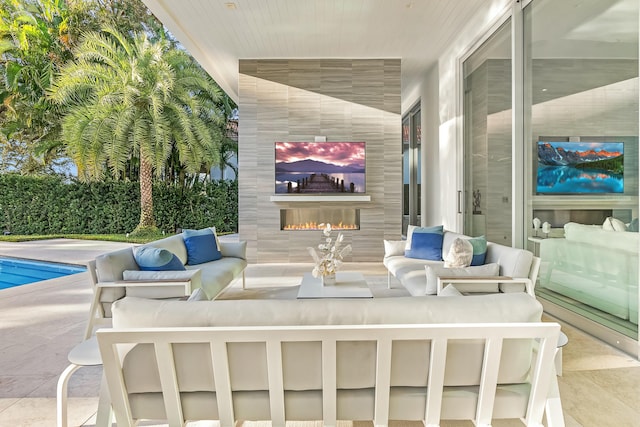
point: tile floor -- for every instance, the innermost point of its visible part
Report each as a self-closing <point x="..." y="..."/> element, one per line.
<point x="41" y="322"/>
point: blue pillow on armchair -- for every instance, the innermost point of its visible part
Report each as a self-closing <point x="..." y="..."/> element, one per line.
<point x="201" y="245"/>
<point x="425" y="243"/>
<point x="149" y="258"/>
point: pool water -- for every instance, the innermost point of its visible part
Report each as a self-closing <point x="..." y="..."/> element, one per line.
<point x="16" y="272"/>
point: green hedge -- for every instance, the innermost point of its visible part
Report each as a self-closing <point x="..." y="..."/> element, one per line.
<point x="50" y="205"/>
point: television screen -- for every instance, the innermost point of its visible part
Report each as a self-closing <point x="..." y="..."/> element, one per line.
<point x="580" y="167"/>
<point x="320" y="167"/>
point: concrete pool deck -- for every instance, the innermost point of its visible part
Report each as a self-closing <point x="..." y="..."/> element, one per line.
<point x="41" y="322"/>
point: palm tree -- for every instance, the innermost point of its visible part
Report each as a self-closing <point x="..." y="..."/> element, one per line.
<point x="132" y="98"/>
<point x="228" y="150"/>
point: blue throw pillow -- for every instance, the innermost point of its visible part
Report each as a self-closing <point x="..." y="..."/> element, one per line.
<point x="149" y="258"/>
<point x="479" y="250"/>
<point x="201" y="246"/>
<point x="426" y="243"/>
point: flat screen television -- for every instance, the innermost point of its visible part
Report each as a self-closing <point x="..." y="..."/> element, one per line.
<point x="320" y="167"/>
<point x="580" y="167"/>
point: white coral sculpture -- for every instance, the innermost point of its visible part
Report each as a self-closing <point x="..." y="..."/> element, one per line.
<point x="329" y="254"/>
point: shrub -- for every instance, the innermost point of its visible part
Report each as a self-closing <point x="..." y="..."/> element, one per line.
<point x="51" y="205"/>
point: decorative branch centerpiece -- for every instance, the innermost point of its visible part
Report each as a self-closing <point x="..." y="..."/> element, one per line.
<point x="328" y="256"/>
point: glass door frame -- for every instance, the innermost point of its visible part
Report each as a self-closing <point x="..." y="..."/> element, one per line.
<point x="521" y="157"/>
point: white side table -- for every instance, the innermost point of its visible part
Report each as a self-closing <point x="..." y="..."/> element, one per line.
<point x="87" y="353"/>
<point x="536" y="244"/>
<point x="562" y="341"/>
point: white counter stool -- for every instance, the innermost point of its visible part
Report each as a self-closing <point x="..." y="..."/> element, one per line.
<point x="87" y="353"/>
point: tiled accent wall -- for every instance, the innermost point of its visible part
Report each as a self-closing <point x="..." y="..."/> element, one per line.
<point x="296" y="100"/>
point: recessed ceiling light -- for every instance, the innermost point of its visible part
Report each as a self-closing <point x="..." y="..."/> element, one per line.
<point x="544" y="90"/>
<point x="231" y="5"/>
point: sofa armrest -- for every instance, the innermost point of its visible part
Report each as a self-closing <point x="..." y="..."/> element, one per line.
<point x="156" y="288"/>
<point x="443" y="281"/>
<point x="234" y="249"/>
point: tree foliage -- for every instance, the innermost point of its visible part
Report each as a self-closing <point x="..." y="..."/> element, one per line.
<point x="133" y="101"/>
<point x="136" y="98"/>
<point x="36" y="38"/>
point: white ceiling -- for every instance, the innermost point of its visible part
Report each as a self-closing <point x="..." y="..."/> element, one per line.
<point x="220" y="32"/>
<point x="218" y="35"/>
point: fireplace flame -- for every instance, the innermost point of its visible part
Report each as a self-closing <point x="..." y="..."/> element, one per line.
<point x="316" y="226"/>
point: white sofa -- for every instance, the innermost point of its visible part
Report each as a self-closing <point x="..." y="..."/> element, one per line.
<point x="511" y="262"/>
<point x="368" y="376"/>
<point x="116" y="274"/>
<point x="594" y="266"/>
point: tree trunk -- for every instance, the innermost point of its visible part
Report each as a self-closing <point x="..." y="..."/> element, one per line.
<point x="146" y="194"/>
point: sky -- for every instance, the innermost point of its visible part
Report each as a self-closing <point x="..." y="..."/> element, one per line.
<point x="338" y="153"/>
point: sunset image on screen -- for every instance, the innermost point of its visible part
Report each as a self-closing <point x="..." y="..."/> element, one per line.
<point x="320" y="167"/>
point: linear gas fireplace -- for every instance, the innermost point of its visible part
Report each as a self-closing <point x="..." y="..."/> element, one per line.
<point x="311" y="218"/>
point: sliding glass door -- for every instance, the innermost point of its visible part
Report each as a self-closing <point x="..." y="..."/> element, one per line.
<point x="581" y="137"/>
<point x="487" y="139"/>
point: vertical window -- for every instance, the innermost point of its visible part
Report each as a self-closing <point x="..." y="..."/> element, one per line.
<point x="411" y="174"/>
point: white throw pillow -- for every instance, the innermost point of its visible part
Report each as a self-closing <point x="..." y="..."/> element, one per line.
<point x="486" y="270"/>
<point x="460" y="254"/>
<point x="613" y="224"/>
<point x="394" y="248"/>
<point x="450" y="291"/>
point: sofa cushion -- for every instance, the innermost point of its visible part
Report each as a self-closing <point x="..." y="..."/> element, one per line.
<point x="460" y="254"/>
<point x="109" y="268"/>
<point x="514" y="262"/>
<point x="394" y="247"/>
<point x="410" y="272"/>
<point x="479" y="245"/>
<point x="174" y="244"/>
<point x="424" y="242"/>
<point x="202" y="246"/>
<point x="216" y="275"/>
<point x="149" y="258"/>
<point x="198" y="295"/>
<point x="450" y="291"/>
<point x="233" y="249"/>
<point x="487" y="270"/>
<point x="613" y="224"/>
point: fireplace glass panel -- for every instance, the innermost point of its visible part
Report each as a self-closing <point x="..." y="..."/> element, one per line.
<point x="311" y="219"/>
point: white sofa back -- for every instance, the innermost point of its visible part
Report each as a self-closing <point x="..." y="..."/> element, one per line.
<point x="355" y="362"/>
<point x="303" y="370"/>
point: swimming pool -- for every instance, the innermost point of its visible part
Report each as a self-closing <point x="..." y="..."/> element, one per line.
<point x="16" y="272"/>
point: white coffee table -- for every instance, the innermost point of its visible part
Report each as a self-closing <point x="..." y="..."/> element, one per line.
<point x="348" y="285"/>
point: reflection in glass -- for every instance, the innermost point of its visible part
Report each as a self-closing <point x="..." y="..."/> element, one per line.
<point x="488" y="140"/>
<point x="581" y="136"/>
